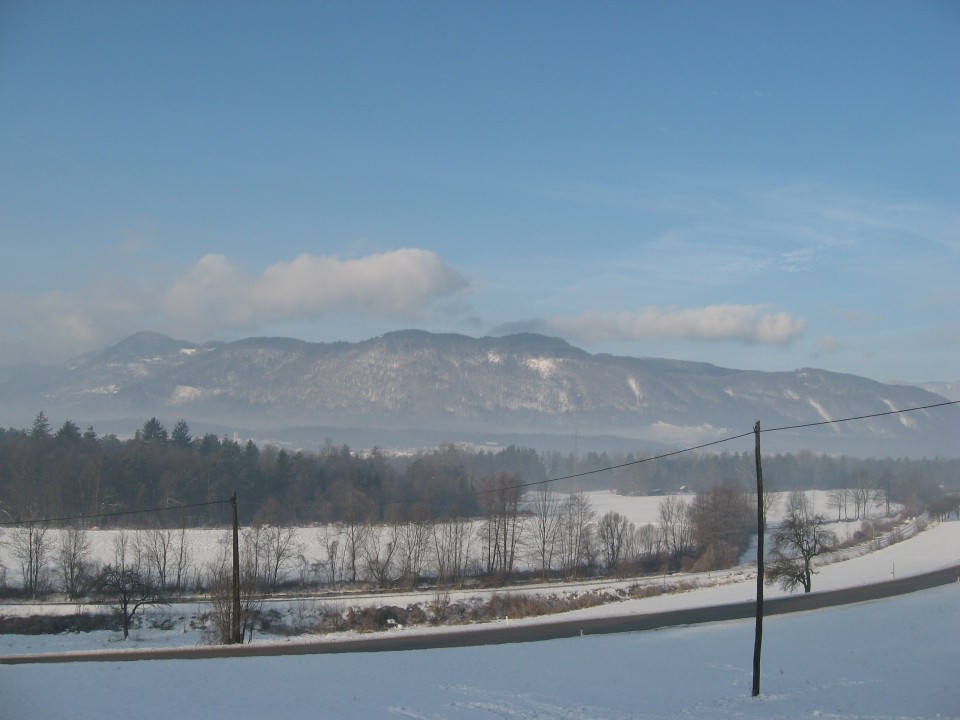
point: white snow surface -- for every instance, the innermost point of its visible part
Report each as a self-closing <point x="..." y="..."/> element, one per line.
<point x="888" y="659"/>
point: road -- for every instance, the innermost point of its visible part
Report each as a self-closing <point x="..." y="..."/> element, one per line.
<point x="502" y="633"/>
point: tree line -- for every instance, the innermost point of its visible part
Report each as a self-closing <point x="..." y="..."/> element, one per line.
<point x="47" y="473"/>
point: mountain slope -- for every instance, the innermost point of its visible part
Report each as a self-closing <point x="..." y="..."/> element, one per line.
<point x="460" y="385"/>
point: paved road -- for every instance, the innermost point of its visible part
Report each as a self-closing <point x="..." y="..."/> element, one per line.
<point x="503" y="633"/>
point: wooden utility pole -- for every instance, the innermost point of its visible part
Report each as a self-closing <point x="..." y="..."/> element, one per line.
<point x="236" y="635"/>
<point x="761" y="529"/>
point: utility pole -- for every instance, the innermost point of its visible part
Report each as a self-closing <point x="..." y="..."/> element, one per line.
<point x="761" y="528"/>
<point x="236" y="636"/>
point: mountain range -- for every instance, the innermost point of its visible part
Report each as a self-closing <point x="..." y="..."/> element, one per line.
<point x="423" y="388"/>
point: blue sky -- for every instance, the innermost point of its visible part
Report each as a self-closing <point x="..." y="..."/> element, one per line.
<point x="757" y="185"/>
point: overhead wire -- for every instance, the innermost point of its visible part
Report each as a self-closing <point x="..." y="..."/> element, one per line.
<point x="116" y="513"/>
<point x="705" y="445"/>
<point x="860" y="417"/>
<point x="613" y="467"/>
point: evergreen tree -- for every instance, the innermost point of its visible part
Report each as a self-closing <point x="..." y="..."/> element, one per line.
<point x="68" y="431"/>
<point x="181" y="434"/>
<point x="41" y="427"/>
<point x="153" y="430"/>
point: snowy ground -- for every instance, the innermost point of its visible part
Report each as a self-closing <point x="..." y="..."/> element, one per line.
<point x="889" y="659"/>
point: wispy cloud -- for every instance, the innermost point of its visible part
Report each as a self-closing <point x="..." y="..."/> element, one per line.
<point x="751" y="324"/>
<point x="829" y="344"/>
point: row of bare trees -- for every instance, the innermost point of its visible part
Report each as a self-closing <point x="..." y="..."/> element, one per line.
<point x="63" y="559"/>
<point x="143" y="566"/>
<point x="540" y="532"/>
<point x="854" y="503"/>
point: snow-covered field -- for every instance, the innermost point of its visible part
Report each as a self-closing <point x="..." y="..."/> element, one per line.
<point x="889" y="659"/>
<point x="206" y="544"/>
<point x="894" y="658"/>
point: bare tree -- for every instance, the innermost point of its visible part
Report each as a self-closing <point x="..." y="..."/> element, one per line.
<point x="379" y="551"/>
<point x="128" y="583"/>
<point x="72" y="555"/>
<point x="130" y="551"/>
<point x="128" y="590"/>
<point x="945" y="506"/>
<point x="251" y="582"/>
<point x="333" y="549"/>
<point x="357" y="513"/>
<point x="839" y="497"/>
<point x="158" y="551"/>
<point x="253" y="556"/>
<point x="881" y="499"/>
<point x="544" y="509"/>
<point x="219" y="581"/>
<point x="281" y="546"/>
<point x="800" y="538"/>
<point x="723" y="520"/>
<point x="182" y="559"/>
<point x="648" y="542"/>
<point x="413" y="540"/>
<point x="451" y="546"/>
<point x="674" y="522"/>
<point x="614" y="532"/>
<point x="354" y="534"/>
<point x="306" y="570"/>
<point x="576" y="532"/>
<point x="502" y="523"/>
<point x="31" y="547"/>
<point x="770" y="502"/>
<point x="862" y="492"/>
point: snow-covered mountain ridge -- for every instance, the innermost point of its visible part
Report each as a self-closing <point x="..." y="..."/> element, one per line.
<point x="460" y="385"/>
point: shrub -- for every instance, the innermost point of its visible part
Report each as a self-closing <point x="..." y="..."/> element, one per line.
<point x="372" y="619"/>
<point x="53" y="624"/>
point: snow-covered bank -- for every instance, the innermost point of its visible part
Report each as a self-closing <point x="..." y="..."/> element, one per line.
<point x="881" y="660"/>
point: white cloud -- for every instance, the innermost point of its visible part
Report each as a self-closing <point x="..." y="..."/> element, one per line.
<point x="400" y="283"/>
<point x="215" y="294"/>
<point x="752" y="324"/>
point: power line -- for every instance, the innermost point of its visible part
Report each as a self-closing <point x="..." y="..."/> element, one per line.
<point x="860" y="417"/>
<point x="613" y="467"/>
<point x="715" y="442"/>
<point x="117" y="513"/>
